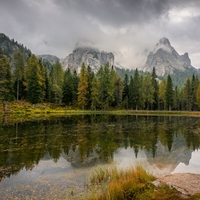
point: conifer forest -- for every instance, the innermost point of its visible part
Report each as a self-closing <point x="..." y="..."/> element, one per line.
<point x="34" y="82"/>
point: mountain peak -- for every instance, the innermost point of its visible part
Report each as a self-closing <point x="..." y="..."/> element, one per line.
<point x="164" y="45"/>
<point x="91" y="56"/>
<point x="165" y="59"/>
<point x="164" y="41"/>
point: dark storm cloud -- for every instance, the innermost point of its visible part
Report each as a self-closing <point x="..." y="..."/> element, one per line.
<point x="119" y="12"/>
<point x="126" y="27"/>
<point x="16" y="13"/>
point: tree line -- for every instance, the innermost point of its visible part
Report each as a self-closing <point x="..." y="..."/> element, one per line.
<point x="31" y="81"/>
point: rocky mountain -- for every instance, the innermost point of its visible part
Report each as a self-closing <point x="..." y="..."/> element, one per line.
<point x="50" y="58"/>
<point x="90" y="56"/>
<point x="166" y="60"/>
<point x="9" y="46"/>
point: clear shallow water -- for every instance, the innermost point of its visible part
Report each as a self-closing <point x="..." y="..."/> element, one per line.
<point x="50" y="158"/>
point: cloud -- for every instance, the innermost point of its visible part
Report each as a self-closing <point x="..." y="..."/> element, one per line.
<point x="129" y="28"/>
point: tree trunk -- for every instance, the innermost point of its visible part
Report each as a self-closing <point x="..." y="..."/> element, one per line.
<point x="5" y="106"/>
<point x="17" y="89"/>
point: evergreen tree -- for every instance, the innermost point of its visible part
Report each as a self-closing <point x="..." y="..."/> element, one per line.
<point x="198" y="97"/>
<point x="95" y="93"/>
<point x="155" y="85"/>
<point x="118" y="92"/>
<point x="104" y="79"/>
<point x="148" y="90"/>
<point x="136" y="89"/>
<point x="75" y="86"/>
<point x="161" y="94"/>
<point x="195" y="84"/>
<point x="6" y="89"/>
<point x="68" y="88"/>
<point x="188" y="94"/>
<point x="90" y="78"/>
<point x="111" y="87"/>
<point x="83" y="87"/>
<point x="56" y="79"/>
<point x="18" y="64"/>
<point x="176" y="100"/>
<point x="169" y="93"/>
<point x="142" y="96"/>
<point x="131" y="93"/>
<point x="44" y="81"/>
<point x="34" y="81"/>
<point x="125" y="91"/>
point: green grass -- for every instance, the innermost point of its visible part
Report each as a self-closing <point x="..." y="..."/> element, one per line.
<point x="23" y="107"/>
<point x="110" y="183"/>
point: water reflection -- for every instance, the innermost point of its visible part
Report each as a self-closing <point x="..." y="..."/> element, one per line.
<point x="84" y="141"/>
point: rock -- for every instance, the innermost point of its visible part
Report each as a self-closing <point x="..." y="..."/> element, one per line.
<point x="157" y="183"/>
<point x="90" y="56"/>
<point x="166" y="60"/>
<point x="187" y="184"/>
<point x="47" y="57"/>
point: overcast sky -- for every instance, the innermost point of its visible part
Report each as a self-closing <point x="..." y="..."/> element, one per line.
<point x="128" y="28"/>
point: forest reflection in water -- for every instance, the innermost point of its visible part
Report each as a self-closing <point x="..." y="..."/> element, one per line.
<point x="159" y="142"/>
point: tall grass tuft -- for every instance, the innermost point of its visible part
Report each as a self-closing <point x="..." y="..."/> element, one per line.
<point x="134" y="183"/>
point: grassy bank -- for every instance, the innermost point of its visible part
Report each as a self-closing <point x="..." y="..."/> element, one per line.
<point x="134" y="183"/>
<point x="25" y="108"/>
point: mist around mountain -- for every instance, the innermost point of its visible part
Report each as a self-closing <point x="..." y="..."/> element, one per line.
<point x="90" y="56"/>
<point x="166" y="61"/>
<point x="47" y="57"/>
<point x="164" y="58"/>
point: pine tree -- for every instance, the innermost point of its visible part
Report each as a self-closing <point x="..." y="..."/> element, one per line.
<point x="169" y="93"/>
<point x="194" y="85"/>
<point x="136" y="89"/>
<point x="106" y="88"/>
<point x="118" y="92"/>
<point x="188" y="94"/>
<point x="131" y="93"/>
<point x="6" y="89"/>
<point x="111" y="87"/>
<point x="34" y="80"/>
<point x="126" y="91"/>
<point x="198" y="97"/>
<point x="155" y="85"/>
<point x="90" y="78"/>
<point x="18" y="62"/>
<point x="95" y="94"/>
<point x="68" y="88"/>
<point x="148" y="90"/>
<point x="161" y="94"/>
<point x="83" y="87"/>
<point x="142" y="96"/>
<point x="75" y="86"/>
<point x="56" y="80"/>
<point x="176" y="100"/>
<point x="45" y="81"/>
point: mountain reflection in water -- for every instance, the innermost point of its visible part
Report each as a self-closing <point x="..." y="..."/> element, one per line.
<point x="64" y="144"/>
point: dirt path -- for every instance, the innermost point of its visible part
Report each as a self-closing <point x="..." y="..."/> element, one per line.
<point x="186" y="183"/>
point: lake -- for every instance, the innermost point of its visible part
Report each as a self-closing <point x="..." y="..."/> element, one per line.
<point x="48" y="158"/>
